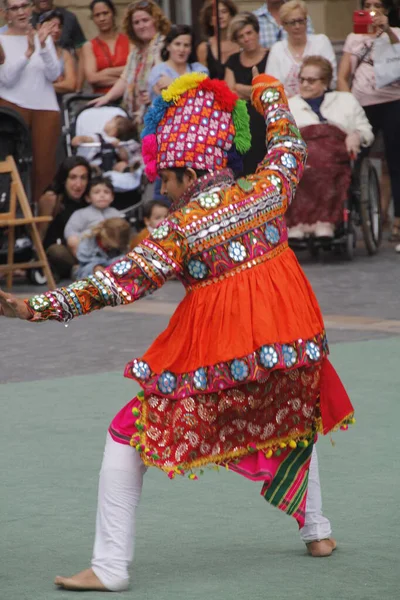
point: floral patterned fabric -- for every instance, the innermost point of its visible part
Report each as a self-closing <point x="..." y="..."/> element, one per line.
<point x="223" y="426"/>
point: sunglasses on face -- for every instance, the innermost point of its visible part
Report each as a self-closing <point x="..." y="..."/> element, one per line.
<point x="295" y="22"/>
<point x="310" y="80"/>
<point x="15" y="9"/>
<point x="141" y="4"/>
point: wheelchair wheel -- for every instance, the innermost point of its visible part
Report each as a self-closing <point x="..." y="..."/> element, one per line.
<point x="370" y="207"/>
<point x="37" y="277"/>
<point x="350" y="244"/>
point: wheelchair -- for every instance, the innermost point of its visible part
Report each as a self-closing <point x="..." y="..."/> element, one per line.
<point x="361" y="213"/>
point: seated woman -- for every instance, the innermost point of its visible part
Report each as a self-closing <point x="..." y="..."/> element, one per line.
<point x="67" y="80"/>
<point x="335" y="127"/>
<point x="66" y="195"/>
<point x="177" y="55"/>
<point x="286" y="56"/>
<point x="105" y="56"/>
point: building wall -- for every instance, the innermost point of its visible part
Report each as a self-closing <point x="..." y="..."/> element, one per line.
<point x="332" y="17"/>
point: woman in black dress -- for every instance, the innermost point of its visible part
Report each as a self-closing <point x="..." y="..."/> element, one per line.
<point x="244" y="30"/>
<point x="207" y="52"/>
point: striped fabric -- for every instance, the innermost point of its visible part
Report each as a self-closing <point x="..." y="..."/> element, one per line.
<point x="288" y="488"/>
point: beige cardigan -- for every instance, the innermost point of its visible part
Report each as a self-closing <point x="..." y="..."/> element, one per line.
<point x="339" y="108"/>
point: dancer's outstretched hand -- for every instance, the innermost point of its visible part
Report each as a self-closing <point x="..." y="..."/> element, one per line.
<point x="13" y="307"/>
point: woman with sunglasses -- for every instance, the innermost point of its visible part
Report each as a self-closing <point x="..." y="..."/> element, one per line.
<point x="286" y="56"/>
<point x="26" y="86"/>
<point x="146" y="26"/>
<point x="382" y="106"/>
<point x="335" y="127"/>
<point x="105" y="56"/>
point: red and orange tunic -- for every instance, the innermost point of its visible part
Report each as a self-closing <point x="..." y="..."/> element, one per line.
<point x="242" y="368"/>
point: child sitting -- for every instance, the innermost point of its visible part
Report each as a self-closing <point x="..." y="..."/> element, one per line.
<point x="100" y="196"/>
<point x="112" y="155"/>
<point x="102" y="246"/>
<point x="153" y="213"/>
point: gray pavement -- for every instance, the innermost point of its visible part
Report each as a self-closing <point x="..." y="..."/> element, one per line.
<point x="360" y="301"/>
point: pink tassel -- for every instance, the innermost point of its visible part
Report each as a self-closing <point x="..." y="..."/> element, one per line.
<point x="151" y="170"/>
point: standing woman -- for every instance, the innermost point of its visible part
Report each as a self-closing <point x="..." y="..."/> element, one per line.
<point x="244" y="30"/>
<point x="286" y="56"/>
<point x="146" y="26"/>
<point x="67" y="80"/>
<point x="26" y="86"/>
<point x="177" y="56"/>
<point x="105" y="56"/>
<point x="207" y="51"/>
<point x="382" y="106"/>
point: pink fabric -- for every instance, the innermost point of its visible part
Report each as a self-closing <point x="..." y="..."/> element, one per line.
<point x="364" y="87"/>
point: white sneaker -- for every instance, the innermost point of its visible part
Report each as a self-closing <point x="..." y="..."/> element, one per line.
<point x="296" y="232"/>
<point x="397" y="248"/>
<point x="324" y="230"/>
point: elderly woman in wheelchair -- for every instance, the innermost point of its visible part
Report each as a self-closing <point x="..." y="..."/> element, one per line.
<point x="335" y="127"/>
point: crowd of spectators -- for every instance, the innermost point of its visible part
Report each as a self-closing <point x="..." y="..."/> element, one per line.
<point x="44" y="55"/>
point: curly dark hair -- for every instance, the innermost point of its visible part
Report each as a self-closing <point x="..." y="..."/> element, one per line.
<point x="109" y="3"/>
<point x="206" y="14"/>
<point x="162" y="24"/>
<point x="387" y="4"/>
<point x="58" y="185"/>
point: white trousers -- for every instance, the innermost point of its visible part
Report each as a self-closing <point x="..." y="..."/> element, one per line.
<point x="120" y="488"/>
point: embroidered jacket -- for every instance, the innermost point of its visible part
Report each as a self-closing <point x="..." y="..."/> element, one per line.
<point x="249" y="308"/>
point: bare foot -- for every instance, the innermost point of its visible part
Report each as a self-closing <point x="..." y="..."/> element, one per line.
<point x="321" y="548"/>
<point x="85" y="580"/>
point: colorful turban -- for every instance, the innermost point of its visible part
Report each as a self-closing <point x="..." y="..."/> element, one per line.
<point x="195" y="123"/>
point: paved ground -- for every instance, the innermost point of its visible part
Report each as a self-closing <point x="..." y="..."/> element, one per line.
<point x="216" y="538"/>
<point x="360" y="301"/>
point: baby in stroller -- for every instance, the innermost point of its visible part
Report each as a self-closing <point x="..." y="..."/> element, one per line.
<point x="107" y="138"/>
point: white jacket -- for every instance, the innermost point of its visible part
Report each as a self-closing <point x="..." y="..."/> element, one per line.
<point x="339" y="108"/>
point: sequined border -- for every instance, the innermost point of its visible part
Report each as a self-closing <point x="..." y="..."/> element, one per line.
<point x="208" y="379"/>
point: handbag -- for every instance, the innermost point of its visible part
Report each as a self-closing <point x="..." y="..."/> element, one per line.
<point x="386" y="62"/>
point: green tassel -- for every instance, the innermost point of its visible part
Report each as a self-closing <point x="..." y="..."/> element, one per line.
<point x="241" y="121"/>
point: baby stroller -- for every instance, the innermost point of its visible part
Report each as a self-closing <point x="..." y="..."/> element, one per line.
<point x="15" y="141"/>
<point x="80" y="119"/>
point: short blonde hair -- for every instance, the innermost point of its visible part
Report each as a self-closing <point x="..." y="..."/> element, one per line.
<point x="114" y="233"/>
<point x="289" y="7"/>
<point x="241" y="20"/>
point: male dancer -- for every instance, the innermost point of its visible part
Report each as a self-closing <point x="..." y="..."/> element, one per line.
<point x="240" y="377"/>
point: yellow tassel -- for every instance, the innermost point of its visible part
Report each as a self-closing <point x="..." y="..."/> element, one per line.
<point x="181" y="85"/>
<point x="332" y="440"/>
<point x="268" y="453"/>
<point x="292" y="444"/>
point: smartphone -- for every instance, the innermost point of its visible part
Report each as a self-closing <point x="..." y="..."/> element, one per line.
<point x="362" y="21"/>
